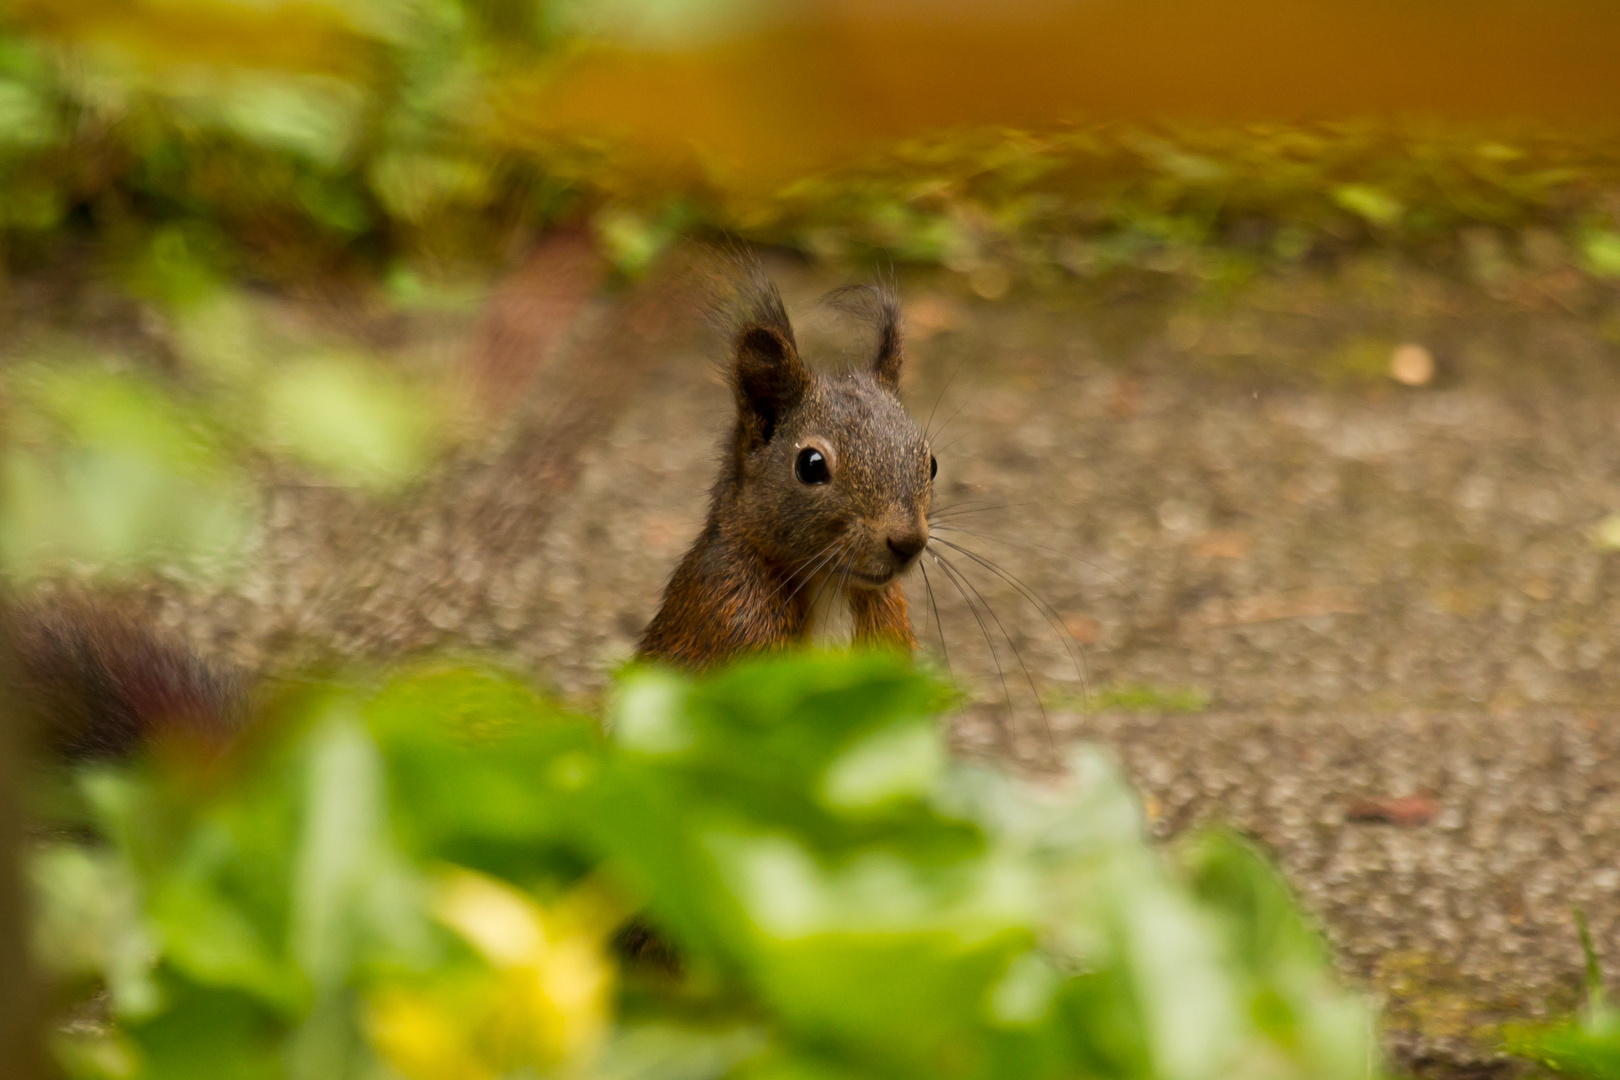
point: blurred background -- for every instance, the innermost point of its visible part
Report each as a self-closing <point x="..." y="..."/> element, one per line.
<point x="1271" y="351"/>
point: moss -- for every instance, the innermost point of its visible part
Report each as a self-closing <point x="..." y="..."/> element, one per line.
<point x="1139" y="697"/>
<point x="1428" y="1000"/>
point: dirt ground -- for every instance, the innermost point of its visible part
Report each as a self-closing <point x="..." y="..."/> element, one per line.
<point x="1370" y="624"/>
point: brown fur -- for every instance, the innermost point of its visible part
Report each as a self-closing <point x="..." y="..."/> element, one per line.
<point x="772" y="542"/>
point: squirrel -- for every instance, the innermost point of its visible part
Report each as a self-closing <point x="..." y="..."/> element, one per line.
<point x="820" y="506"/>
<point x="821" y="503"/>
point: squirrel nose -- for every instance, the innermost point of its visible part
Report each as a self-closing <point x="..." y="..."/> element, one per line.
<point x="906" y="545"/>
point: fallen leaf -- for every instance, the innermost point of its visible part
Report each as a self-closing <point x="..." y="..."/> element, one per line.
<point x="1223" y="544"/>
<point x="1408" y="811"/>
<point x="1083" y="628"/>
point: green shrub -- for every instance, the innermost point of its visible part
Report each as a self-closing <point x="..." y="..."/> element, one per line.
<point x="424" y="879"/>
<point x="276" y="137"/>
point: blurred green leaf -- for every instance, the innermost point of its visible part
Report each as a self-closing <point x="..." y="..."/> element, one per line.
<point x="631" y="240"/>
<point x="1587" y="1047"/>
<point x="413" y="186"/>
<point x="842" y="901"/>
<point x="905" y="761"/>
<point x="26" y="119"/>
<point x="1602" y="250"/>
<point x="313" y="118"/>
<point x="122" y="476"/>
<point x="1374" y="205"/>
<point x="213" y="943"/>
<point x="347" y="417"/>
<point x="342" y="825"/>
<point x="176" y="269"/>
<point x="89" y="924"/>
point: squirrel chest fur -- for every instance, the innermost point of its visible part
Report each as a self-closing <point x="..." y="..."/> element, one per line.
<point x="821" y="504"/>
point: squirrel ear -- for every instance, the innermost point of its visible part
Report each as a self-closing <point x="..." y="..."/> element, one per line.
<point x="886" y="365"/>
<point x="770" y="378"/>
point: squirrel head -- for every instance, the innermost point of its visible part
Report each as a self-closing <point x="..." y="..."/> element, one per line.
<point x="828" y="474"/>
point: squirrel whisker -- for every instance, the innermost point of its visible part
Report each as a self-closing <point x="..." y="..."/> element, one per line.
<point x="821" y="558"/>
<point x="821" y="586"/>
<point x="948" y="423"/>
<point x="1040" y="604"/>
<point x="929" y="423"/>
<point x="1035" y="692"/>
<point x="939" y="626"/>
<point x="1069" y="555"/>
<point x="984" y="628"/>
<point x="945" y="513"/>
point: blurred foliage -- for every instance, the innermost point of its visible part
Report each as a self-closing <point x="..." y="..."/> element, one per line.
<point x="425" y="879"/>
<point x="283" y="136"/>
<point x="101" y="467"/>
<point x="110" y="471"/>
<point x="110" y="462"/>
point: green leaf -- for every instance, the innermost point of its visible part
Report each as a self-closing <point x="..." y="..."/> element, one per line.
<point x="314" y="118"/>
<point x="345" y="416"/>
<point x="90" y="921"/>
<point x="26" y="119"/>
<point x="338" y="845"/>
<point x="1372" y="204"/>
<point x="208" y="939"/>
<point x="131" y="477"/>
<point x="415" y="186"/>
<point x="1602" y="250"/>
<point x="209" y="1034"/>
<point x="905" y="761"/>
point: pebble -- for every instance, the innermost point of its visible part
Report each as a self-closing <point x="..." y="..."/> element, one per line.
<point x="1411" y="365"/>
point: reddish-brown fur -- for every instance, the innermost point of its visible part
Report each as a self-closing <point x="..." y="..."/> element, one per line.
<point x="100" y="683"/>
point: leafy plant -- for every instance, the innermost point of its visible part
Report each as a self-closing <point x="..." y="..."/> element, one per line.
<point x="426" y="877"/>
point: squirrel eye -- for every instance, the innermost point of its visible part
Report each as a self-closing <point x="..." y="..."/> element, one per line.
<point x="811" y="468"/>
<point x="933" y="466"/>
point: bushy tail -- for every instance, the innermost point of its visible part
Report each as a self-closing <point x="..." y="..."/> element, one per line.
<point x="98" y="683"/>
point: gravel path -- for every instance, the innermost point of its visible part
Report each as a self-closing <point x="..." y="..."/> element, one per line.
<point x="1370" y="624"/>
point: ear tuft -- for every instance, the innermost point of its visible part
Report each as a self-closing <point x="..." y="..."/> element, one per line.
<point x="878" y="305"/>
<point x="767" y="374"/>
<point x="886" y="364"/>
